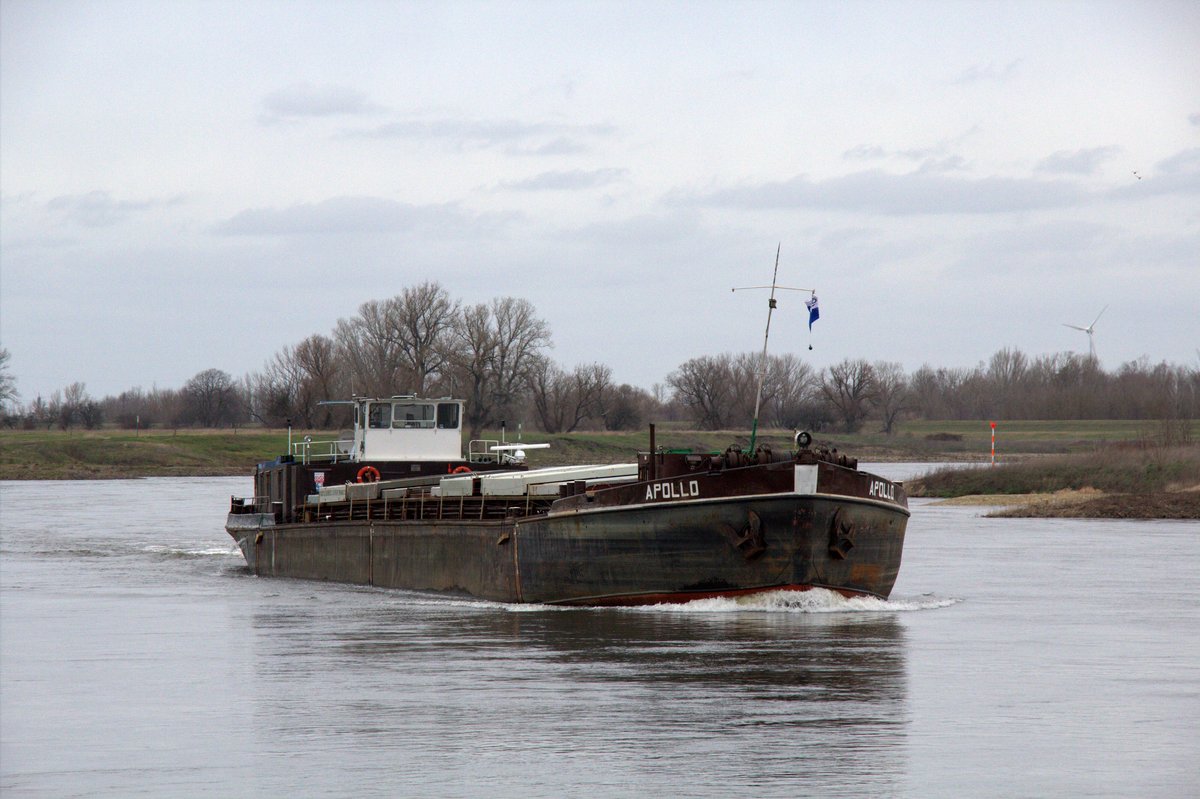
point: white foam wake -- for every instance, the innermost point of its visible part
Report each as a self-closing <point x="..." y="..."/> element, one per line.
<point x="185" y="552"/>
<point x="816" y="600"/>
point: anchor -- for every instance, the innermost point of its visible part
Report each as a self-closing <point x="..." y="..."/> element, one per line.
<point x="841" y="536"/>
<point x="750" y="541"/>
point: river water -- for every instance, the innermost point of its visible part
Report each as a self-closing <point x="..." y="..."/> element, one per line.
<point x="1015" y="658"/>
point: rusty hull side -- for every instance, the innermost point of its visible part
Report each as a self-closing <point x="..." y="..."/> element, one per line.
<point x="664" y="553"/>
<point x="687" y="550"/>
<point x="711" y="533"/>
<point x="473" y="558"/>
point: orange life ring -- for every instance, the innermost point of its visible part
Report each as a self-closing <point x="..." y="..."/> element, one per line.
<point x="462" y="470"/>
<point x="368" y="474"/>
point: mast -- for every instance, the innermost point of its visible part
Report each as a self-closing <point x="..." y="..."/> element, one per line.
<point x="762" y="367"/>
<point x="762" y="364"/>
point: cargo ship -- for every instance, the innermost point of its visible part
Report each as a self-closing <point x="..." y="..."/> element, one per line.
<point x="398" y="503"/>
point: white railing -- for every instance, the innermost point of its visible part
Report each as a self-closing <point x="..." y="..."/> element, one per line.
<point x="332" y="450"/>
<point x="480" y="451"/>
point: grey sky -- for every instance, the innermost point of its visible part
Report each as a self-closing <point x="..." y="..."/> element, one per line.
<point x="194" y="185"/>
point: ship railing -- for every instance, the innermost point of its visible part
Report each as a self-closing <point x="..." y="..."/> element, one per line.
<point x="480" y="451"/>
<point x="333" y="450"/>
<point x="254" y="505"/>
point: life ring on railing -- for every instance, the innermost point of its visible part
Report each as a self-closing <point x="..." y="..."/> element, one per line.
<point x="462" y="469"/>
<point x="368" y="474"/>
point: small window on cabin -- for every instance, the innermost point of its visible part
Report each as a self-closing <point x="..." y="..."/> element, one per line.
<point x="380" y="415"/>
<point x="447" y="415"/>
<point x="412" y="415"/>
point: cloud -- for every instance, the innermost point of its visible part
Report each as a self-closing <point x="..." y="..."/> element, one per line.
<point x="879" y="192"/>
<point x="1195" y="119"/>
<point x="875" y="152"/>
<point x="523" y="137"/>
<point x="988" y="73"/>
<point x="949" y="163"/>
<point x="1185" y="162"/>
<point x="99" y="209"/>
<point x="1079" y="162"/>
<point x="301" y="100"/>
<point x="558" y="146"/>
<point x="1029" y="246"/>
<point x="939" y="157"/>
<point x="341" y="215"/>
<point x="567" y="180"/>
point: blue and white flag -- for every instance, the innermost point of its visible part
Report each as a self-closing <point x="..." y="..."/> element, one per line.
<point x="814" y="313"/>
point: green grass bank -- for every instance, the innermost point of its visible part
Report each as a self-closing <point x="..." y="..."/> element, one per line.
<point x="113" y="453"/>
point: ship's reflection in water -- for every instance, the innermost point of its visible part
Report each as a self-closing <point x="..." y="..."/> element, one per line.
<point x="444" y="698"/>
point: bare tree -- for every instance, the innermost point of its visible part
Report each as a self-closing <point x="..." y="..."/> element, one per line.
<point x="40" y="412"/>
<point x="91" y="414"/>
<point x="323" y="379"/>
<point x="564" y="400"/>
<point x="369" y="346"/>
<point x="125" y="408"/>
<point x="849" y="387"/>
<point x="8" y="383"/>
<point x="397" y="344"/>
<point x="626" y="407"/>
<point x="274" y="396"/>
<point x="1007" y="372"/>
<point x="54" y="409"/>
<point x="551" y="389"/>
<point x="212" y="399"/>
<point x="520" y="337"/>
<point x="472" y="363"/>
<point x="169" y="405"/>
<point x="891" y="396"/>
<point x="793" y="386"/>
<point x="744" y="372"/>
<point x="74" y="397"/>
<point x="593" y="383"/>
<point x="720" y="390"/>
<point x="704" y="385"/>
<point x="270" y="397"/>
<point x="938" y="393"/>
<point x="496" y="348"/>
<point x="924" y="389"/>
<point x="422" y="319"/>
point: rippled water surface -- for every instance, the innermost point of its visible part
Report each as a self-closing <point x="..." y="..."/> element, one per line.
<point x="1015" y="658"/>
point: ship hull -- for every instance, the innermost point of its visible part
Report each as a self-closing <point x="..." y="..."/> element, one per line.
<point x="631" y="554"/>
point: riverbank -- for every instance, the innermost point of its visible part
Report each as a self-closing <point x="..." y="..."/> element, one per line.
<point x="1130" y="481"/>
<point x="1086" y="504"/>
<point x="118" y="454"/>
<point x="114" y="453"/>
<point x="1134" y="476"/>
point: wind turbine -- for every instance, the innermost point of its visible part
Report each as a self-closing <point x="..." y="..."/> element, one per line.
<point x="1091" y="331"/>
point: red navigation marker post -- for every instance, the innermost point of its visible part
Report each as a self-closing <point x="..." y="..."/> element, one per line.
<point x="993" y="443"/>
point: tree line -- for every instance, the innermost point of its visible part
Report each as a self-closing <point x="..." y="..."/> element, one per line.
<point x="495" y="355"/>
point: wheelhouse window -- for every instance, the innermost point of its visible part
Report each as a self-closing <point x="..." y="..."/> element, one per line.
<point x="412" y="415"/>
<point x="447" y="415"/>
<point x="379" y="415"/>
